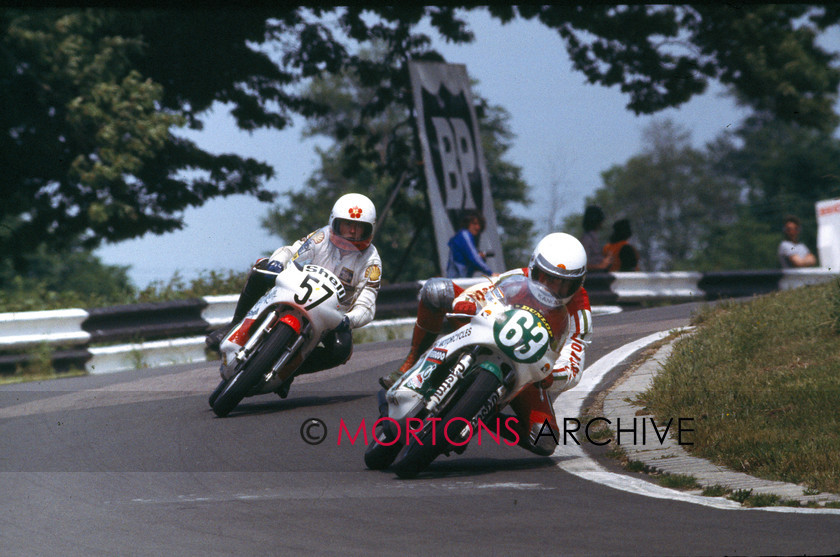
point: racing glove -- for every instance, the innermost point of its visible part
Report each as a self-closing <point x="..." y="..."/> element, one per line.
<point x="274" y="266"/>
<point x="563" y="377"/>
<point x="464" y="306"/>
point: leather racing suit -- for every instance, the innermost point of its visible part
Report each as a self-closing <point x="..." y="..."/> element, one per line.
<point x="533" y="405"/>
<point x="359" y="271"/>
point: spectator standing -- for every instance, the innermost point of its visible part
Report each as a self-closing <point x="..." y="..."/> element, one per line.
<point x="625" y="257"/>
<point x="593" y="218"/>
<point x="793" y="253"/>
<point x="464" y="257"/>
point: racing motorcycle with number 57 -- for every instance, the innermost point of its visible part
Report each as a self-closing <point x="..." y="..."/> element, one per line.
<point x="468" y="377"/>
<point x="261" y="353"/>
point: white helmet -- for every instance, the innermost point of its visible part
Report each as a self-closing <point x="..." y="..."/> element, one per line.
<point x="562" y="257"/>
<point x="353" y="208"/>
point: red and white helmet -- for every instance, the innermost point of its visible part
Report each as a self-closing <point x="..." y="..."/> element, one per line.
<point x="563" y="258"/>
<point x="353" y="208"/>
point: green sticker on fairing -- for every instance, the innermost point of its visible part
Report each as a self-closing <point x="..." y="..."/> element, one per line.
<point x="523" y="336"/>
<point x="418" y="380"/>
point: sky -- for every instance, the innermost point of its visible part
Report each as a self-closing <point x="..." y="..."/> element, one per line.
<point x="567" y="133"/>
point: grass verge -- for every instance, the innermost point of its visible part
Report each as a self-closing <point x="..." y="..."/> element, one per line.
<point x="762" y="381"/>
<point x="38" y="367"/>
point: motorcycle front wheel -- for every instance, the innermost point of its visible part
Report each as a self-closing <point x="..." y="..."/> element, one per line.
<point x="261" y="360"/>
<point x="215" y="394"/>
<point x="417" y="456"/>
<point x="379" y="456"/>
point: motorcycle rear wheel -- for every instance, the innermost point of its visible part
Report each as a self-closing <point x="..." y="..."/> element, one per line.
<point x="259" y="363"/>
<point x="416" y="456"/>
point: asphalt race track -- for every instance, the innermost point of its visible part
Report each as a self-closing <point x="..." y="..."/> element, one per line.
<point x="136" y="463"/>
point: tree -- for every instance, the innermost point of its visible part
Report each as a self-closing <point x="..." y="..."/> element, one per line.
<point x="69" y="279"/>
<point x="785" y="169"/>
<point x="745" y="244"/>
<point x="781" y="169"/>
<point x="373" y="155"/>
<point x="506" y="183"/>
<point x="671" y="193"/>
<point x="662" y="55"/>
<point x="721" y="208"/>
<point x="91" y="96"/>
<point x="86" y="143"/>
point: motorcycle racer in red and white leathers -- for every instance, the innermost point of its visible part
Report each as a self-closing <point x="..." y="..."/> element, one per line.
<point x="558" y="262"/>
<point x="344" y="247"/>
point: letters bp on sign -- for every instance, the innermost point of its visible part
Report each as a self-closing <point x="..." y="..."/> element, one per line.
<point x="456" y="174"/>
<point x="828" y="233"/>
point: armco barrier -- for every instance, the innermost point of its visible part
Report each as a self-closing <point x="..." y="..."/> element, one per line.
<point x="724" y="284"/>
<point x="173" y="332"/>
<point x="600" y="288"/>
<point x="28" y="328"/>
<point x="146" y="321"/>
<point x="638" y="287"/>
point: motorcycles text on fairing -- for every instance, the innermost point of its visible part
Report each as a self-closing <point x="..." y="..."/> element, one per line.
<point x="262" y="352"/>
<point x="468" y="377"/>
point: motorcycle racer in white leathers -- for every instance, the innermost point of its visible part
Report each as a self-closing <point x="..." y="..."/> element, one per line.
<point x="559" y="263"/>
<point x="344" y="247"/>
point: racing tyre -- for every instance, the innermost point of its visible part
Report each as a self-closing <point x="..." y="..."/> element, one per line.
<point x="215" y="394"/>
<point x="420" y="452"/>
<point x="379" y="456"/>
<point x="417" y="456"/>
<point x="261" y="360"/>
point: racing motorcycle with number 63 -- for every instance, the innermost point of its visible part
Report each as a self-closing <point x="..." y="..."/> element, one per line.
<point x="261" y="352"/>
<point x="468" y="377"/>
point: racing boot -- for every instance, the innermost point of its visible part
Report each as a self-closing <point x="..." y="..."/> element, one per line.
<point x="319" y="359"/>
<point x="214" y="339"/>
<point x="283" y="391"/>
<point x="540" y="438"/>
<point x="255" y="286"/>
<point x="421" y="340"/>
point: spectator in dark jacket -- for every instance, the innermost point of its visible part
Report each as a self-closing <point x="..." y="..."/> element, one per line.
<point x="464" y="257"/>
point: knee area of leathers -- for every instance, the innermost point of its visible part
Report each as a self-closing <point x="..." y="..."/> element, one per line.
<point x="438" y="294"/>
<point x="339" y="344"/>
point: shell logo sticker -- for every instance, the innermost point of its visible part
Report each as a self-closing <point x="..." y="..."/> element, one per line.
<point x="561" y="266"/>
<point x="373" y="273"/>
<point x="355" y="212"/>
